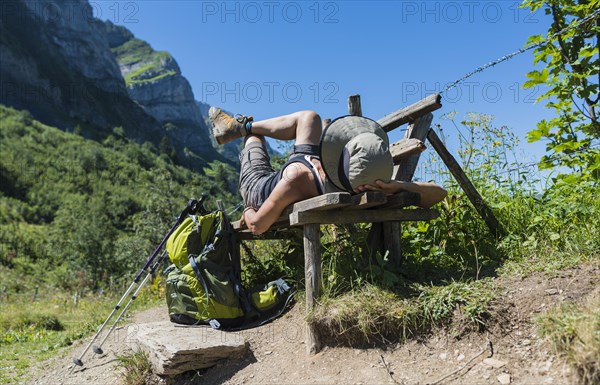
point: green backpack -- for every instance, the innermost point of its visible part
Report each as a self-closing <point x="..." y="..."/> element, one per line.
<point x="204" y="282"/>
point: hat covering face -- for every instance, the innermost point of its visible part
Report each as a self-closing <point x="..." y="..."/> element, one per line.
<point x="354" y="152"/>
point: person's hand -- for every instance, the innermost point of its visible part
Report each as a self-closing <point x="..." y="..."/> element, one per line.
<point x="366" y="187"/>
<point x="390" y="187"/>
<point x="246" y="211"/>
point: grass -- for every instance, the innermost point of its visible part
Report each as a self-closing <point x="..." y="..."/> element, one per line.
<point x="371" y="314"/>
<point x="574" y="333"/>
<point x="447" y="279"/>
<point x="151" y="63"/>
<point x="34" y="331"/>
<point x="147" y="74"/>
<point x="136" y="368"/>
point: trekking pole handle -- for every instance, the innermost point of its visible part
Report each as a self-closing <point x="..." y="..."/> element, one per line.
<point x="193" y="206"/>
<point x="199" y="207"/>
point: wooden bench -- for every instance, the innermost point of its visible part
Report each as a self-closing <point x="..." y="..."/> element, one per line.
<point x="336" y="208"/>
<point x="385" y="212"/>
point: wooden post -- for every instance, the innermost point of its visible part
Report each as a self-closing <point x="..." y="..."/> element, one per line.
<point x="312" y="276"/>
<point x="417" y="130"/>
<point x="354" y="107"/>
<point x="376" y="237"/>
<point x="464" y="182"/>
<point x="391" y="242"/>
<point x="388" y="234"/>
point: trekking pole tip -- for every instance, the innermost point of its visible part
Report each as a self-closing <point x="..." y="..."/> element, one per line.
<point x="77" y="361"/>
<point x="97" y="349"/>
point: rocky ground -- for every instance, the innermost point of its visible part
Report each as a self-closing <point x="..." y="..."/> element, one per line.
<point x="510" y="351"/>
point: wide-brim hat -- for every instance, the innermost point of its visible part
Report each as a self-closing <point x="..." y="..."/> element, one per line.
<point x="355" y="151"/>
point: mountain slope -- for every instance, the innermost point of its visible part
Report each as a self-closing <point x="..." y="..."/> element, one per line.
<point x="85" y="210"/>
<point x="154" y="81"/>
<point x="58" y="66"/>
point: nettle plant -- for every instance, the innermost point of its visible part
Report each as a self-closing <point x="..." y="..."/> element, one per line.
<point x="571" y="74"/>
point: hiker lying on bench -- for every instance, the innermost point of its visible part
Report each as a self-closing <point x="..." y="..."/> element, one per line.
<point x="351" y="154"/>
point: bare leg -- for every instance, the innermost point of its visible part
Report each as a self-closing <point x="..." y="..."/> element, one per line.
<point x="304" y="126"/>
<point x="253" y="138"/>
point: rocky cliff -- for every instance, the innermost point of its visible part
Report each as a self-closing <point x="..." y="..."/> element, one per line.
<point x="74" y="71"/>
<point x="55" y="62"/>
<point x="154" y="80"/>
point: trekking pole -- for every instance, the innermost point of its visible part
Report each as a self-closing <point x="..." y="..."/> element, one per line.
<point x="192" y="207"/>
<point x="98" y="348"/>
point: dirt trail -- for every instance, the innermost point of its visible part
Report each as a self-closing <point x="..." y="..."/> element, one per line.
<point x="277" y="352"/>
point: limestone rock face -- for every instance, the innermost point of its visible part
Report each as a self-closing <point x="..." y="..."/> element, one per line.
<point x="174" y="349"/>
<point x="56" y="63"/>
<point x="76" y="72"/>
<point x="73" y="32"/>
<point x="154" y="80"/>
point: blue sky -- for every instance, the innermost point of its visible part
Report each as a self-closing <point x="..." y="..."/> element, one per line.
<point x="267" y="58"/>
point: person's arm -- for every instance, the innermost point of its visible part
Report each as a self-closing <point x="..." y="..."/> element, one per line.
<point x="430" y="193"/>
<point x="296" y="185"/>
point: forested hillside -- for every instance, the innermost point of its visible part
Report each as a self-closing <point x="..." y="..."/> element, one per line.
<point x="80" y="213"/>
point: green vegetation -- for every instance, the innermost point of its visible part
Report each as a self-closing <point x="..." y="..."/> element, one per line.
<point x="448" y="278"/>
<point x="571" y="65"/>
<point x="574" y="331"/>
<point x="75" y="212"/>
<point x="147" y="65"/>
<point x="136" y="368"/>
<point x="32" y="331"/>
<point x="371" y="313"/>
<point x="78" y="219"/>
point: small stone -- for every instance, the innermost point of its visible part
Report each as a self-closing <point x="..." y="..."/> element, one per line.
<point x="460" y="357"/>
<point x="486" y="376"/>
<point x="268" y="352"/>
<point x="494" y="363"/>
<point x="443" y="356"/>
<point x="551" y="291"/>
<point x="504" y="378"/>
<point x="526" y="342"/>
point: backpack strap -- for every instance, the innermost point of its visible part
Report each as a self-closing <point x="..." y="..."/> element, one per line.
<point x="192" y="258"/>
<point x="195" y="249"/>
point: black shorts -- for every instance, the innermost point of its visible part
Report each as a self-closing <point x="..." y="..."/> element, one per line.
<point x="257" y="176"/>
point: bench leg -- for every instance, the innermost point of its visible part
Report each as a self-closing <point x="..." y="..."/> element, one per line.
<point x="312" y="275"/>
<point x="391" y="238"/>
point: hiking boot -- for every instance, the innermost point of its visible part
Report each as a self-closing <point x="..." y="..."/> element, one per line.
<point x="226" y="127"/>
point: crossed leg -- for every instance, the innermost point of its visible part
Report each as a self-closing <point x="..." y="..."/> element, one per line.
<point x="303" y="126"/>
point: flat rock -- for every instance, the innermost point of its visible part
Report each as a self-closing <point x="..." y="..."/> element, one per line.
<point x="174" y="349"/>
